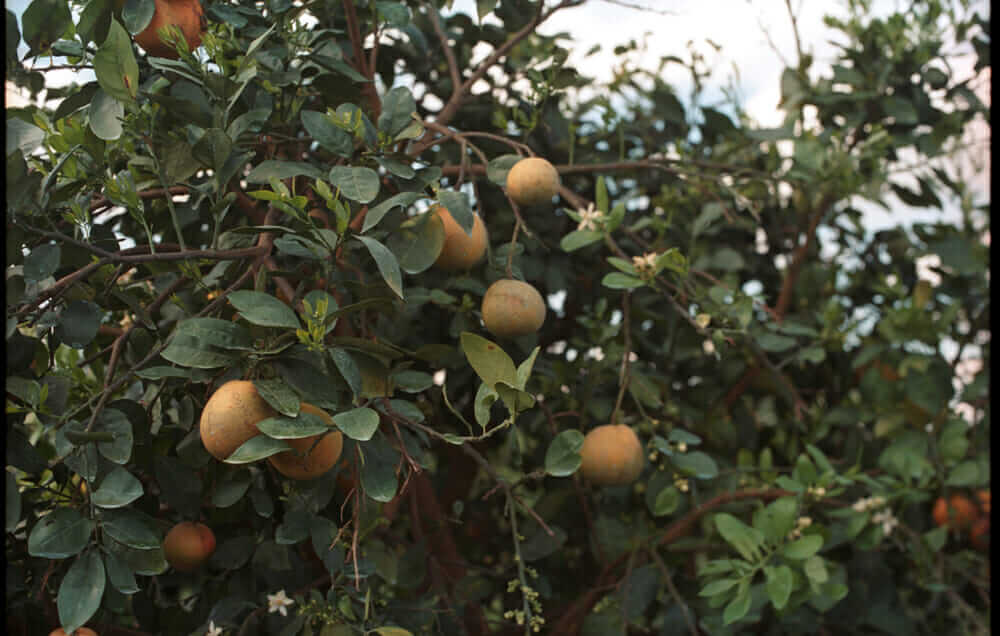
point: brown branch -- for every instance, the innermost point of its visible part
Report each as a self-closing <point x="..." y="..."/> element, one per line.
<point x="456" y="77"/>
<point x="360" y="62"/>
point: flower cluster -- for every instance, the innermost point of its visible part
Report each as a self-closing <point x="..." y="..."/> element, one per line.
<point x="801" y="524"/>
<point x="887" y="520"/>
<point x="868" y="503"/>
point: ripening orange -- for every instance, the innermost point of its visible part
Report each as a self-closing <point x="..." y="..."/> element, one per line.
<point x="306" y="464"/>
<point x="532" y="181"/>
<point x="513" y="308"/>
<point x="612" y="455"/>
<point x="188" y="545"/>
<point x="230" y="417"/>
<point x="187" y="15"/>
<point x="460" y="250"/>
<point x="979" y="535"/>
<point x="983" y="496"/>
<point x="80" y="631"/>
<point x="957" y="513"/>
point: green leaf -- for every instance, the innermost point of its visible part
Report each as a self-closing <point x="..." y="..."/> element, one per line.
<point x="417" y="243"/>
<point x="387" y="264"/>
<point x="697" y="464"/>
<point x="119" y="488"/>
<point x="562" y="458"/>
<point x="746" y="540"/>
<point x="188" y="351"/>
<point x="484" y="8"/>
<point x="231" y="488"/>
<point x="213" y="149"/>
<point x="618" y="280"/>
<point x="396" y="167"/>
<point x="815" y="569"/>
<point x="128" y="528"/>
<point x="524" y="369"/>
<point x="44" y="21"/>
<point x="263" y="309"/>
<point x="13" y="503"/>
<point x="398" y="108"/>
<point x="378" y="472"/>
<point x="60" y="534"/>
<point x="966" y="474"/>
<point x="114" y="421"/>
<point x="78" y="323"/>
<point x="105" y="114"/>
<point x="488" y="360"/>
<point x="321" y="128"/>
<point x="779" y="584"/>
<point x="775" y="343"/>
<point x="718" y="587"/>
<point x="803" y="548"/>
<point x="498" y="167"/>
<point x="42" y="262"/>
<point x="413" y="381"/>
<point x="359" y="424"/>
<point x="23" y="136"/>
<point x="279" y="396"/>
<point x="541" y="544"/>
<point x="115" y="66"/>
<point x="579" y="238"/>
<point x="666" y="501"/>
<point x="256" y="448"/>
<point x="356" y="183"/>
<point x="302" y="425"/>
<point x="137" y="14"/>
<point x="120" y="574"/>
<point x="739" y="606"/>
<point x="272" y="169"/>
<point x="375" y="214"/>
<point x="392" y="631"/>
<point x="777" y="519"/>
<point x="458" y="206"/>
<point x="81" y="591"/>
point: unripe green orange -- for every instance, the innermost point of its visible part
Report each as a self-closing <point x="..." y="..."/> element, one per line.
<point x="611" y="455"/>
<point x="460" y="250"/>
<point x="513" y="308"/>
<point x="310" y="464"/>
<point x="188" y="545"/>
<point x="187" y="15"/>
<point x="230" y="417"/>
<point x="532" y="181"/>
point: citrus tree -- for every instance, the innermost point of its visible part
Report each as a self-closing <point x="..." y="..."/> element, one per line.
<point x="375" y="317"/>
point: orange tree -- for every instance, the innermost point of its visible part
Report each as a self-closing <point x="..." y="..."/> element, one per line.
<point x="774" y="383"/>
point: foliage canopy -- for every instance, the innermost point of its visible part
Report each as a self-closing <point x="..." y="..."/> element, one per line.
<point x="256" y="209"/>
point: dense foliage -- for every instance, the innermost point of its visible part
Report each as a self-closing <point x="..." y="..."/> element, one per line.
<point x="257" y="209"/>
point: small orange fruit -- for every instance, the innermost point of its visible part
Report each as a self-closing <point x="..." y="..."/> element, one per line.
<point x="230" y="417"/>
<point x="532" y="181"/>
<point x="306" y="463"/>
<point x="958" y="512"/>
<point x="80" y="631"/>
<point x="187" y="15"/>
<point x="460" y="250"/>
<point x="983" y="496"/>
<point x="188" y="545"/>
<point x="513" y="308"/>
<point x="979" y="535"/>
<point x="612" y="455"/>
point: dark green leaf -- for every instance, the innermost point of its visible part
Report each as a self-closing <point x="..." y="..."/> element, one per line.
<point x="328" y="135"/>
<point x="490" y="362"/>
<point x="272" y="169"/>
<point x="779" y="584"/>
<point x="359" y="424"/>
<point x="119" y="488"/>
<point x="41" y="263"/>
<point x="263" y="309"/>
<point x="81" y="591"/>
<point x="120" y="574"/>
<point x="387" y="264"/>
<point x="60" y="534"/>
<point x="114" y="421"/>
<point x="803" y="548"/>
<point x="562" y="458"/>
<point x="375" y="214"/>
<point x="129" y="528"/>
<point x="398" y="108"/>
<point x="256" y="448"/>
<point x="115" y="66"/>
<point x="279" y="395"/>
<point x="356" y="183"/>
<point x="579" y="238"/>
<point x="137" y="14"/>
<point x="303" y="425"/>
<point x="78" y="323"/>
<point x="378" y="472"/>
<point x="457" y="204"/>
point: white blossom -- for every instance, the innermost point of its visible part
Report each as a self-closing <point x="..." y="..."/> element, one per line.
<point x="589" y="218"/>
<point x="213" y="630"/>
<point x="278" y="603"/>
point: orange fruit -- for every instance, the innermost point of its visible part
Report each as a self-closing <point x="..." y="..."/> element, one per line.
<point x="230" y="417"/>
<point x="532" y="181"/>
<point x="979" y="535"/>
<point x="512" y="308"/>
<point x="187" y="545"/>
<point x="80" y="631"/>
<point x="612" y="455"/>
<point x="306" y="463"/>
<point x="187" y="15"/>
<point x="957" y="512"/>
<point x="460" y="250"/>
<point x="983" y="496"/>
